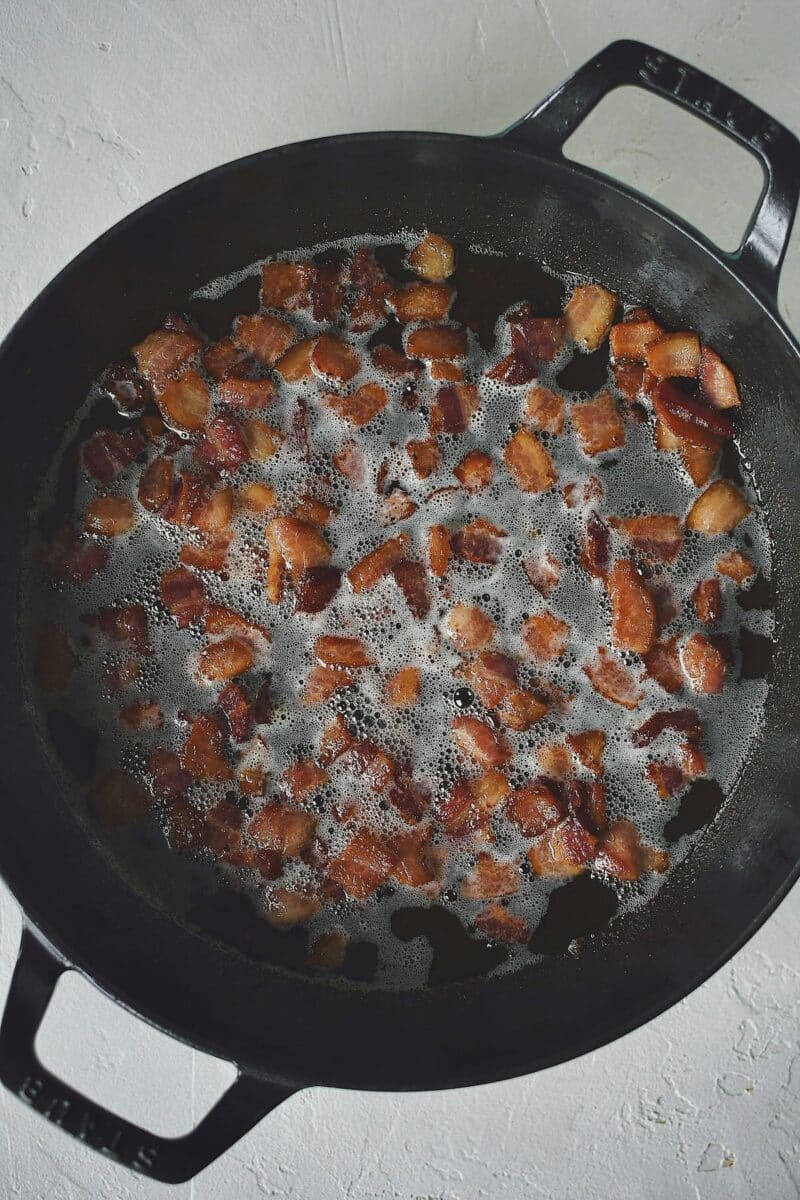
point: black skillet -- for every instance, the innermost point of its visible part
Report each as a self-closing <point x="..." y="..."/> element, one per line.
<point x="517" y="193"/>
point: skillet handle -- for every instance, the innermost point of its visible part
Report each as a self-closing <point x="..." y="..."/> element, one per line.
<point x="170" y="1160"/>
<point x="758" y="259"/>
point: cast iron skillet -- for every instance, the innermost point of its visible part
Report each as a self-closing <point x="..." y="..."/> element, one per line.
<point x="517" y="193"/>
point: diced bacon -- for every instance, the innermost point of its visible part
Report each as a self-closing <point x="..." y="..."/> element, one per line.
<point x="285" y="285"/>
<point x="613" y="681"/>
<point x="334" y="359"/>
<point x="107" y="453"/>
<point x="438" y="550"/>
<point x="480" y="742"/>
<point x="55" y="659"/>
<point x="409" y="798"/>
<point x="444" y="370"/>
<point x="491" y="877"/>
<point x="689" y="418"/>
<point x="425" y="456"/>
<point x="437" y="341"/>
<point x="583" y="491"/>
<point x="595" y="546"/>
<point x="127" y="390"/>
<point x="467" y="808"/>
<point x="322" y="682"/>
<point x="185" y="403"/>
<point x="554" y="759"/>
<point x="543" y="571"/>
<point x="121" y="676"/>
<point x="288" y="907"/>
<point x="433" y="259"/>
<point x="392" y="362"/>
<point x="529" y="462"/>
<point x="707" y="601"/>
<point x="545" y="635"/>
<point x="219" y="621"/>
<point x="401" y="689"/>
<point x="252" y="781"/>
<point x="316" y="511"/>
<point x="515" y="369"/>
<point x="110" y="515"/>
<point x="422" y="302"/>
<point x="327" y="292"/>
<point x="315" y="588"/>
<point x="667" y="778"/>
<point x="141" y="716"/>
<point x="468" y="628"/>
<point x="303" y="778"/>
<point x="564" y="849"/>
<point x="660" y="589"/>
<point x="373" y="766"/>
<point x="535" y="807"/>
<point x="204" y="753"/>
<point x="705" y="664"/>
<point x="349" y="461"/>
<point x="717" y="381"/>
<point x="266" y="337"/>
<point x="674" y="354"/>
<point x="226" y="659"/>
<point x="169" y="778"/>
<point x="700" y="462"/>
<point x="185" y="497"/>
<point x="541" y="338"/>
<point x="622" y="855"/>
<point x="491" y="675"/>
<point x="656" y="535"/>
<point x="365" y="573"/>
<point x="123" y="623"/>
<point x="363" y="865"/>
<point x="327" y="952"/>
<point x="417" y="862"/>
<point x="361" y="406"/>
<point x="118" y="801"/>
<point x="336" y="738"/>
<point x="586" y="800"/>
<point x="234" y="702"/>
<point x="588" y="748"/>
<point x="226" y="446"/>
<point x="629" y="379"/>
<point x="163" y="353"/>
<point x="187" y="828"/>
<point x="257" y="497"/>
<point x="183" y="594"/>
<point x="452" y="409"/>
<point x="519" y="710"/>
<point x="295" y="364"/>
<point x="223" y="358"/>
<point x="545" y="410"/>
<point x="410" y="578"/>
<point x="154" y="430"/>
<point x="735" y="566"/>
<point x="479" y="542"/>
<point x="301" y="545"/>
<point x="719" y="509"/>
<point x="369" y="309"/>
<point x="214" y="515"/>
<point x="633" y="612"/>
<point x="155" y="484"/>
<point x="589" y="314"/>
<point x="247" y="393"/>
<point x="630" y="339"/>
<point x="334" y="651"/>
<point x="501" y="925"/>
<point x="684" y="720"/>
<point x="598" y="424"/>
<point x="475" y="471"/>
<point x="664" y="665"/>
<point x="396" y="506"/>
<point x="693" y="760"/>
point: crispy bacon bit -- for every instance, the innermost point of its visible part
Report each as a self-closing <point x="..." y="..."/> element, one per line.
<point x="664" y="665"/>
<point x="185" y="403"/>
<point x="295" y="364"/>
<point x="629" y="378"/>
<point x="501" y="925"/>
<point x="110" y="516"/>
<point x="396" y="506"/>
<point x="470" y="804"/>
<point x="541" y="338"/>
<point x="155" y="484"/>
<point x="322" y="682"/>
<point x="438" y="550"/>
<point x="612" y="681"/>
<point x="707" y="600"/>
<point x="226" y="659"/>
<point x="108" y="452"/>
<point x="545" y="635"/>
<point x="468" y="628"/>
<point x="684" y="720"/>
<point x="516" y="368"/>
<point x="287" y="907"/>
<point x="204" y="753"/>
<point x="334" y="359"/>
<point x="362" y="406"/>
<point x="327" y="952"/>
<point x="266" y="337"/>
<point x="588" y="748"/>
<point x="433" y="258"/>
<point x="422" y="302"/>
<point x="718" y="510"/>
<point x="622" y="855"/>
<point x="630" y="339"/>
<point x="349" y="461"/>
<point x="480" y="742"/>
<point x="543" y="571"/>
<point x="693" y="760"/>
<point x="700" y="462"/>
<point x="717" y="381"/>
<point x="315" y="588"/>
<point x="475" y="471"/>
<point x="123" y="623"/>
<point x="453" y="408"/>
<point x="656" y="535"/>
<point x="555" y="761"/>
<point x="705" y="664"/>
<point x="529" y="462"/>
<point x="689" y="418"/>
<point x="257" y="497"/>
<point x="583" y="491"/>
<point x="225" y="444"/>
<point x="285" y="285"/>
<point x="309" y="508"/>
<point x="590" y="314"/>
<point x="302" y="779"/>
<point x="491" y="877"/>
<point x="401" y="689"/>
<point x="736" y="566"/>
<point x="252" y="781"/>
<point x="416" y="861"/>
<point x="586" y="799"/>
<point x="55" y="660"/>
<point x="300" y="544"/>
<point x="410" y="578"/>
<point x="169" y="778"/>
<point x="141" y="715"/>
<point x="327" y="292"/>
<point x="545" y="410"/>
<point x="333" y="651"/>
<point x="219" y="621"/>
<point x="564" y="849"/>
<point x="185" y="497"/>
<point x="425" y="456"/>
<point x="234" y="702"/>
<point x="674" y="354"/>
<point x="163" y="353"/>
<point x="392" y="362"/>
<point x="595" y="546"/>
<point x="223" y="358"/>
<point x="633" y="612"/>
<point x="598" y="424"/>
<point x="438" y="342"/>
<point x="183" y="594"/>
<point x="364" y="574"/>
<point x="246" y="393"/>
<point x="118" y="801"/>
<point x="336" y="738"/>
<point x="479" y="542"/>
<point x="492" y="675"/>
<point x="667" y="778"/>
<point x="215" y="513"/>
<point x="363" y="865"/>
<point x="127" y="390"/>
<point x="535" y="807"/>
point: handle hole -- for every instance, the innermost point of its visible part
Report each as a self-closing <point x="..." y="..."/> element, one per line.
<point x="673" y="157"/>
<point x="124" y="1064"/>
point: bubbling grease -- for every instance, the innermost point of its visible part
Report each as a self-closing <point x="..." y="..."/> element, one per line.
<point x="636" y="479"/>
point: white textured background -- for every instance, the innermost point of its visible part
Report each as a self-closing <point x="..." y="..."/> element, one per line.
<point x="104" y="104"/>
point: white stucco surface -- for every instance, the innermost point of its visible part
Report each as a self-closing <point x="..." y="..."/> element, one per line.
<point x="104" y="104"/>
